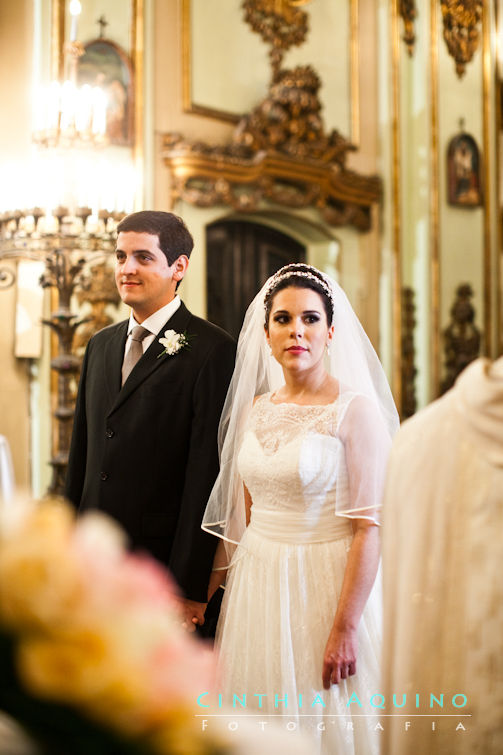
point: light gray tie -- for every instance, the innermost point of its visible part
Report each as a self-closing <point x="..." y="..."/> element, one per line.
<point x="135" y="350"/>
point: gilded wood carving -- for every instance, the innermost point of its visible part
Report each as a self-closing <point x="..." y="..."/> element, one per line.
<point x="281" y="153"/>
<point x="408" y="368"/>
<point x="280" y="23"/>
<point x="407" y="10"/>
<point x="461" y="20"/>
<point x="461" y="337"/>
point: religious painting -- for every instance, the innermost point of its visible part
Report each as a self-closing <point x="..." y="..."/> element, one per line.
<point x="464" y="185"/>
<point x="106" y="65"/>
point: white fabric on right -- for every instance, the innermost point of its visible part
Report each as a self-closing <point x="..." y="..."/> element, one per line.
<point x="443" y="585"/>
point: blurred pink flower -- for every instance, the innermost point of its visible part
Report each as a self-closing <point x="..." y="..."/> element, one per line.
<point x="97" y="626"/>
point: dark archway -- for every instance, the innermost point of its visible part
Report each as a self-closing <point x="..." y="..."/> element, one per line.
<point x="240" y="256"/>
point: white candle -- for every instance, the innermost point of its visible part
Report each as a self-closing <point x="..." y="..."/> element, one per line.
<point x="99" y="122"/>
<point x="75" y="9"/>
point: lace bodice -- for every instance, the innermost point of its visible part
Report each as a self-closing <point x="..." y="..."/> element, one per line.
<point x="292" y="459"/>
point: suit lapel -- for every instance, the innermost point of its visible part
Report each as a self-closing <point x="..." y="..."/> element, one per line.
<point x="113" y="358"/>
<point x="151" y="360"/>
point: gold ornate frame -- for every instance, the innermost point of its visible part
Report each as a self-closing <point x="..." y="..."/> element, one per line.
<point x="190" y="106"/>
<point x="135" y="54"/>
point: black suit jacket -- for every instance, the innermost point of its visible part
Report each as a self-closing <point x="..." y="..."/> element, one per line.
<point x="146" y="453"/>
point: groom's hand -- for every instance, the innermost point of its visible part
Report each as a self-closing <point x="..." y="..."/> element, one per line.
<point x="192" y="613"/>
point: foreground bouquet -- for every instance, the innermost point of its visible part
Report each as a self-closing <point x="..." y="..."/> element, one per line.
<point x="92" y="655"/>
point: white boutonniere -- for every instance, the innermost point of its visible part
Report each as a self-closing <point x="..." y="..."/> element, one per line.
<point x="173" y="342"/>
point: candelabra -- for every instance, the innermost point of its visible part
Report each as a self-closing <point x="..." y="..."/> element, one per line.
<point x="69" y="243"/>
<point x="68" y="176"/>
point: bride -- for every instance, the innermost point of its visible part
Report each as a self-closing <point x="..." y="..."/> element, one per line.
<point x="304" y="437"/>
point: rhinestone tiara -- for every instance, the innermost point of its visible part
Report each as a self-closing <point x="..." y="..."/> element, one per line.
<point x="280" y="275"/>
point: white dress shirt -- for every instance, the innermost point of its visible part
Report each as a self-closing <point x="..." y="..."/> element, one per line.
<point x="153" y="323"/>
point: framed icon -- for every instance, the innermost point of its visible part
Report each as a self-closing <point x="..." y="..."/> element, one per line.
<point x="106" y="65"/>
<point x="464" y="184"/>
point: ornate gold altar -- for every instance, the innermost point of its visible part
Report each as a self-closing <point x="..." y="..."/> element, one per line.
<point x="280" y="152"/>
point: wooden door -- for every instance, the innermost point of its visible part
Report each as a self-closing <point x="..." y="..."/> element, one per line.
<point x="240" y="256"/>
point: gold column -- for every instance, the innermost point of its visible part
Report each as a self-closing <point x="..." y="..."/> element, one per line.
<point x="434" y="208"/>
<point x="57" y="39"/>
<point x="57" y="42"/>
<point x="489" y="339"/>
<point x="354" y="63"/>
<point x="499" y="156"/>
<point x="397" y="208"/>
<point x="137" y="37"/>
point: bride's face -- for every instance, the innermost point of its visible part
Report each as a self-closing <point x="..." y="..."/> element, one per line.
<point x="298" y="330"/>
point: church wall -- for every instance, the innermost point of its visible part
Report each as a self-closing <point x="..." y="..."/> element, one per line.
<point x="439" y="245"/>
<point x="16" y="39"/>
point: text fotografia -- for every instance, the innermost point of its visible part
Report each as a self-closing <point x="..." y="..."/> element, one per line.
<point x="261" y="700"/>
<point x="345" y="725"/>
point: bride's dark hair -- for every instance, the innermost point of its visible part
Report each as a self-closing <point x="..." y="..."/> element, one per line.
<point x="298" y="275"/>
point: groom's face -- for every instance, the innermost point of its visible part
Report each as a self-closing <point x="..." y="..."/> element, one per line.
<point x="145" y="280"/>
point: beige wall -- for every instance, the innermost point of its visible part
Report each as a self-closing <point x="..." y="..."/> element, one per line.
<point x="437" y="246"/>
<point x="16" y="40"/>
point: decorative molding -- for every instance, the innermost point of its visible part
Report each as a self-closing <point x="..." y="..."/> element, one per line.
<point x="461" y="19"/>
<point x="188" y="105"/>
<point x="461" y="337"/>
<point x="409" y="371"/>
<point x="408" y="12"/>
<point x="281" y="153"/>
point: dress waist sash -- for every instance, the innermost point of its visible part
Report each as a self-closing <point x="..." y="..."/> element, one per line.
<point x="300" y="527"/>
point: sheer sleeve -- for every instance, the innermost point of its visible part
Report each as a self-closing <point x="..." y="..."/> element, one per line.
<point x="365" y="449"/>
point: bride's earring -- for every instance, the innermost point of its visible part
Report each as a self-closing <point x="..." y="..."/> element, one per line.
<point x="328" y="349"/>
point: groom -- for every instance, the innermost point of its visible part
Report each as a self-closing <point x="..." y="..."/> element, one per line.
<point x="144" y="445"/>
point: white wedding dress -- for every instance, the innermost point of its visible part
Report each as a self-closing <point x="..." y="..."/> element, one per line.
<point x="285" y="581"/>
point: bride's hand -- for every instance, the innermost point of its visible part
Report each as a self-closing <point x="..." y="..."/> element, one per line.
<point x="339" y="660"/>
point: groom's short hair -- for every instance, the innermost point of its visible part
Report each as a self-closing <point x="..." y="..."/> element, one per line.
<point x="174" y="236"/>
